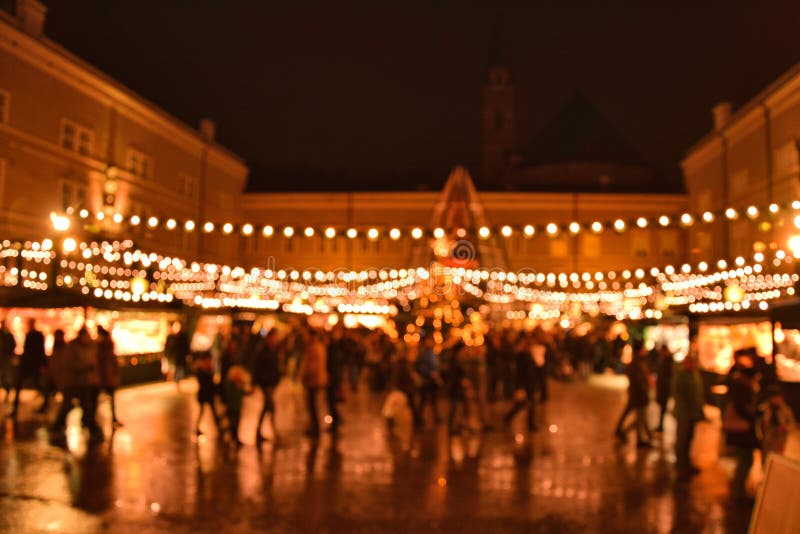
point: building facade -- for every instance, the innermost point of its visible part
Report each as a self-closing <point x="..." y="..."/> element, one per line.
<point x="749" y="159"/>
<point x="73" y="139"/>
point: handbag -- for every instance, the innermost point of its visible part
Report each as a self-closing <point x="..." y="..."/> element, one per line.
<point x="732" y="422"/>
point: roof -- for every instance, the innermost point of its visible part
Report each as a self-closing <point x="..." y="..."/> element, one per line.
<point x="579" y="133"/>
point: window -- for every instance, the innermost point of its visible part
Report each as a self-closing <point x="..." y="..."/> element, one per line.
<point x="4" y="101"/>
<point x="668" y="241"/>
<point x="72" y="196"/>
<point x="139" y="164"/>
<point x="77" y="138"/>
<point x="640" y="243"/>
<point x="187" y="185"/>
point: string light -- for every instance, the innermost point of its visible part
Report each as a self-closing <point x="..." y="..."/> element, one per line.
<point x="268" y="231"/>
<point x="506" y="231"/>
<point x="484" y="232"/>
<point x="189" y="225"/>
<point x="208" y="227"/>
<point x="372" y="234"/>
<point x="394" y="233"/>
<point x="288" y="232"/>
<point x="247" y="229"/>
<point x="352" y="233"/>
<point x="227" y="228"/>
<point x="330" y="232"/>
<point x="308" y="232"/>
<point x="171" y="224"/>
<point x="416" y="233"/>
<point x="529" y="230"/>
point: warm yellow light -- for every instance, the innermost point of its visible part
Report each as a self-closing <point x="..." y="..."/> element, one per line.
<point x="308" y="232"/>
<point x="69" y="245"/>
<point x="171" y="224"/>
<point x="552" y="228"/>
<point x="227" y="228"/>
<point x="752" y="212"/>
<point x="641" y="222"/>
<point x="117" y="218"/>
<point x="730" y="213"/>
<point x="208" y="227"/>
<point x="139" y="285"/>
<point x="794" y="245"/>
<point x="288" y="232"/>
<point x="394" y="233"/>
<point x="574" y="227"/>
<point x="189" y="226"/>
<point x="484" y="232"/>
<point x="330" y="232"/>
<point x="438" y="233"/>
<point x="247" y="229"/>
<point x="722" y="264"/>
<point x="797" y="221"/>
<point x="84" y="213"/>
<point x="416" y="233"/>
<point x="734" y="293"/>
<point x="663" y="220"/>
<point x="152" y="222"/>
<point x="597" y="227"/>
<point x="529" y="230"/>
<point x="702" y="266"/>
<point x="352" y="233"/>
<point x="506" y="231"/>
<point x="619" y="225"/>
<point x="774" y="208"/>
<point x="687" y="219"/>
<point x="135" y="220"/>
<point x="60" y="222"/>
<point x="372" y="234"/>
<point x="267" y="231"/>
<point x="708" y="217"/>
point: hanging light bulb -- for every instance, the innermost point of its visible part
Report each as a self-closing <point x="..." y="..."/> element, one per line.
<point x="597" y="227"/>
<point x="288" y="232"/>
<point x="416" y="233"/>
<point x="529" y="230"/>
<point x="641" y="222"/>
<point x="208" y="227"/>
<point x="574" y="227"/>
<point x="619" y="225"/>
<point x="438" y="233"/>
<point x="308" y="232"/>
<point x="247" y="229"/>
<point x="506" y="231"/>
<point x="484" y="232"/>
<point x="227" y="228"/>
<point x="189" y="225"/>
<point x="352" y="233"/>
<point x="663" y="220"/>
<point x="394" y="233"/>
<point x="372" y="234"/>
<point x="552" y="228"/>
<point x="330" y="232"/>
<point x="267" y="231"/>
<point x="171" y="224"/>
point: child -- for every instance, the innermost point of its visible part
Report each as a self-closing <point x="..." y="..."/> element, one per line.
<point x="237" y="384"/>
<point x="204" y="370"/>
<point x="775" y="422"/>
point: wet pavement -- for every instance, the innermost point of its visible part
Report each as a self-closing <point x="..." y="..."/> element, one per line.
<point x="154" y="476"/>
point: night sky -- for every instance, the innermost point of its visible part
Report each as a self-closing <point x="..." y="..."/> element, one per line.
<point x="387" y="95"/>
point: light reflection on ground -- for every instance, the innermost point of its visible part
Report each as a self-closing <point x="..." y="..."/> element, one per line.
<point x="154" y="475"/>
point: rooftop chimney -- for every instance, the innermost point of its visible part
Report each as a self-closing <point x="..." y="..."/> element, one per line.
<point x="722" y="114"/>
<point x="208" y="129"/>
<point x="31" y="14"/>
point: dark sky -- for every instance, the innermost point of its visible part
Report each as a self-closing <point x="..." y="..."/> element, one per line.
<point x="387" y="94"/>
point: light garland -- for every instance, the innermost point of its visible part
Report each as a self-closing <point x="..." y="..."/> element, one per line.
<point x="62" y="222"/>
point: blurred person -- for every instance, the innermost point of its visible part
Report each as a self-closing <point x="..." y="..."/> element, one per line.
<point x="86" y="375"/>
<point x="177" y="351"/>
<point x="335" y="365"/>
<point x="739" y="420"/>
<point x="427" y="366"/>
<point x="206" y="391"/>
<point x="507" y="363"/>
<point x="775" y="422"/>
<point x="638" y="398"/>
<point x="63" y="373"/>
<point x="458" y="387"/>
<point x="235" y="386"/>
<point x="313" y="375"/>
<point x="109" y="370"/>
<point x="266" y="372"/>
<point x="664" y="366"/>
<point x="32" y="366"/>
<point x="526" y="383"/>
<point x="687" y="388"/>
<point x="405" y="381"/>
<point x="8" y="347"/>
<point x="539" y="348"/>
<point x="494" y="366"/>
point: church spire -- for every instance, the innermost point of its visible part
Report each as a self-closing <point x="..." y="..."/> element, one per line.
<point x="499" y="111"/>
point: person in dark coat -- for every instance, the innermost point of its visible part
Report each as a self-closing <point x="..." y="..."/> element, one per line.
<point x="109" y="369"/>
<point x="663" y="382"/>
<point x="266" y="376"/>
<point x="638" y="398"/>
<point x="739" y="420"/>
<point x="403" y="380"/>
<point x="206" y="391"/>
<point x="177" y="350"/>
<point x="427" y="366"/>
<point x="8" y="346"/>
<point x="32" y="366"/>
<point x="526" y="383"/>
<point x="457" y="386"/>
<point x="336" y="364"/>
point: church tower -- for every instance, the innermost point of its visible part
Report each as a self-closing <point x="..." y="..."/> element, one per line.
<point x="499" y="114"/>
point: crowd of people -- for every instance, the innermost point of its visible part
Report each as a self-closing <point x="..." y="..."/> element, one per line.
<point x="80" y="369"/>
<point x="755" y="414"/>
<point x="512" y="367"/>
